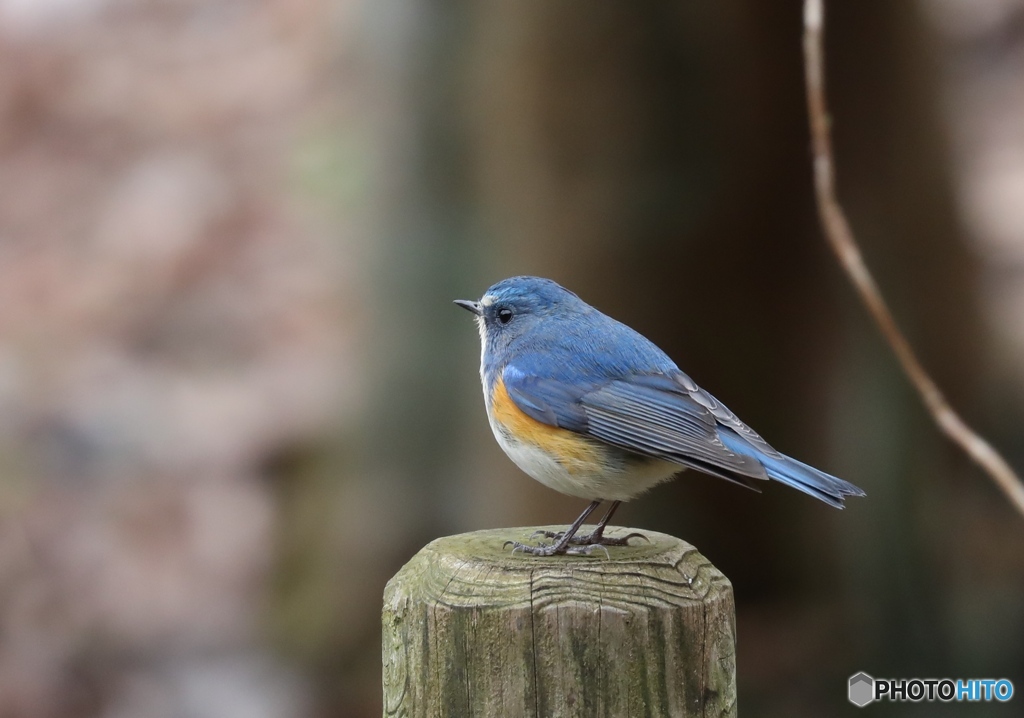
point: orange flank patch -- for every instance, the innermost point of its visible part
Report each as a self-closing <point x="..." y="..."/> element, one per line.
<point x="576" y="453"/>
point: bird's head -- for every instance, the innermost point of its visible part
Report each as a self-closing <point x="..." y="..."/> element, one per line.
<point x="513" y="307"/>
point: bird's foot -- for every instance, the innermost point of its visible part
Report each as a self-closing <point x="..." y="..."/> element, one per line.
<point x="569" y="548"/>
<point x="592" y="539"/>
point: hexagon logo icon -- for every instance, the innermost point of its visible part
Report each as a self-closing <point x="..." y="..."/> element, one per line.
<point x="862" y="689"/>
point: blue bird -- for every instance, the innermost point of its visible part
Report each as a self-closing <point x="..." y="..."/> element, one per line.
<point x="591" y="408"/>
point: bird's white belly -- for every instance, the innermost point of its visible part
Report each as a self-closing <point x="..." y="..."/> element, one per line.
<point x="615" y="477"/>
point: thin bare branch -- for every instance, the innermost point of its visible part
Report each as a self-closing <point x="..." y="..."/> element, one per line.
<point x="840" y="236"/>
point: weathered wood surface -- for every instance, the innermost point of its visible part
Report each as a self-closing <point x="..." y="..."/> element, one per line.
<point x="469" y="629"/>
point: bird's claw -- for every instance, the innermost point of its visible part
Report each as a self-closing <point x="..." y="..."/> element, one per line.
<point x="580" y="547"/>
<point x="516" y="546"/>
<point x="621" y="540"/>
<point x="541" y="550"/>
<point x="589" y="539"/>
<point x="554" y="549"/>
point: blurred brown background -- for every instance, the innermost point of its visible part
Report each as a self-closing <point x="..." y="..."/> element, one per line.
<point x="235" y="397"/>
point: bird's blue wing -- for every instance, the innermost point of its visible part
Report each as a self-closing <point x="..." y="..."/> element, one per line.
<point x="650" y="414"/>
<point x="667" y="416"/>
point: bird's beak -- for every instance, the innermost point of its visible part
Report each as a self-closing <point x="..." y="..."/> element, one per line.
<point x="470" y="306"/>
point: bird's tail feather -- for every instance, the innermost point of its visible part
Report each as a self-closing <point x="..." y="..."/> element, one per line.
<point x="830" y="489"/>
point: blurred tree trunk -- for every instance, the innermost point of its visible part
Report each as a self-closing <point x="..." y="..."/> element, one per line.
<point x="896" y="181"/>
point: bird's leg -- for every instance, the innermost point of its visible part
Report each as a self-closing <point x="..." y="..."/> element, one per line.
<point x="562" y="545"/>
<point x="598" y="532"/>
<point x="597" y="537"/>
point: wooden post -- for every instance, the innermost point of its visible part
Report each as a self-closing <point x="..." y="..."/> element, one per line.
<point x="472" y="630"/>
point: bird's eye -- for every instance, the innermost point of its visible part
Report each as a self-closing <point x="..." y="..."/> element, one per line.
<point x="504" y="316"/>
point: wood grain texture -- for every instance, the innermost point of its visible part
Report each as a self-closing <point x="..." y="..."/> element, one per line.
<point x="469" y="629"/>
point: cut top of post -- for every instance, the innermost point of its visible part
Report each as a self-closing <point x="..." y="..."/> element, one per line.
<point x="476" y="569"/>
<point x="472" y="629"/>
